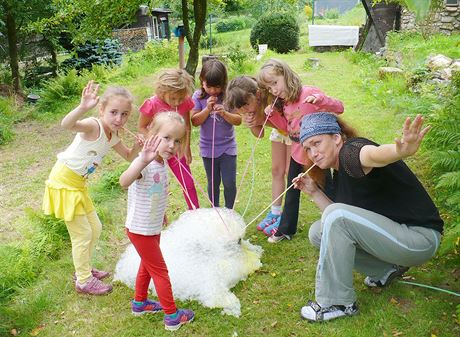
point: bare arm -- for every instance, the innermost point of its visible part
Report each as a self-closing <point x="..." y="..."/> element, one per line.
<point x="324" y="102"/>
<point x="87" y="126"/>
<point x="379" y="156"/>
<point x="128" y="153"/>
<point x="188" y="133"/>
<point x="143" y="123"/>
<point x="232" y="118"/>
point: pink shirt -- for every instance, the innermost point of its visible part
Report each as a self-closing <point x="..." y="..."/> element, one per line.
<point x="154" y="104"/>
<point x="294" y="112"/>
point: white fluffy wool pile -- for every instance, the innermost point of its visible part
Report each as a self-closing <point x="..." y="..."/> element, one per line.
<point x="206" y="257"/>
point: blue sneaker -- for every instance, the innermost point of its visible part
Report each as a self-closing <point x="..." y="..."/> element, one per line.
<point x="269" y="219"/>
<point x="271" y="229"/>
<point x="146" y="307"/>
<point x="184" y="316"/>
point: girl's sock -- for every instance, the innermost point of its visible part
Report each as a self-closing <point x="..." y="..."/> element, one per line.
<point x="276" y="210"/>
<point x="138" y="302"/>
<point x="173" y="316"/>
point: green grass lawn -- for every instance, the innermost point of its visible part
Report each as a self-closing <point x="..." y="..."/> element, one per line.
<point x="270" y="298"/>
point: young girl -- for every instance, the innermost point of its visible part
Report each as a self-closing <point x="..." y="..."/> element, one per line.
<point x="66" y="196"/>
<point x="247" y="98"/>
<point x="297" y="101"/>
<point x="147" y="178"/>
<point x="173" y="88"/>
<point x="217" y="135"/>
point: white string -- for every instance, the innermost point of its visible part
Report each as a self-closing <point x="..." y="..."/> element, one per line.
<point x="303" y="174"/>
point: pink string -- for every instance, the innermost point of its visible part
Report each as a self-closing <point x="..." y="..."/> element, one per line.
<point x="252" y="153"/>
<point x="212" y="159"/>
<point x="204" y="193"/>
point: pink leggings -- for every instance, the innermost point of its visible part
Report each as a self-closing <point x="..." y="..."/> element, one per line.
<point x="153" y="267"/>
<point x="185" y="180"/>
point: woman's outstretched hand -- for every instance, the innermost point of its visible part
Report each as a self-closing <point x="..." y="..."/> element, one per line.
<point x="412" y="136"/>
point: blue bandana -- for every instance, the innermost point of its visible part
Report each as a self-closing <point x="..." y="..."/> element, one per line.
<point x="318" y="123"/>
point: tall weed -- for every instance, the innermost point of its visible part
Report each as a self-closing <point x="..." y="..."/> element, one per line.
<point x="20" y="264"/>
<point x="443" y="145"/>
<point x="108" y="185"/>
<point x="64" y="86"/>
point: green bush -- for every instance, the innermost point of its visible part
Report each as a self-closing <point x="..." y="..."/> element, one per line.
<point x="205" y="41"/>
<point x="279" y="31"/>
<point x="64" y="86"/>
<point x="233" y="24"/>
<point x="104" y="52"/>
<point x="240" y="61"/>
<point x="331" y="14"/>
<point x="155" y="54"/>
<point x="442" y="143"/>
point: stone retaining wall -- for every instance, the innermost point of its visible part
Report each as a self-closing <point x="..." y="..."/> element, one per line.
<point x="446" y="20"/>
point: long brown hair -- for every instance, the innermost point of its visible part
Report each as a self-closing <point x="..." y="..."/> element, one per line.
<point x="281" y="68"/>
<point x="214" y="73"/>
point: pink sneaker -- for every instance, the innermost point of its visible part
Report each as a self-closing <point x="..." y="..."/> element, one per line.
<point x="99" y="274"/>
<point x="93" y="287"/>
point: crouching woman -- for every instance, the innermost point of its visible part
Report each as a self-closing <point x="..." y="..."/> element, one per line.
<point x="382" y="220"/>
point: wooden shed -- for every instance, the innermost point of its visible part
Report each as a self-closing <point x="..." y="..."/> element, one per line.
<point x="156" y="22"/>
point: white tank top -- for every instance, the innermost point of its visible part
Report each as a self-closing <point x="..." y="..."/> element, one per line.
<point x="84" y="156"/>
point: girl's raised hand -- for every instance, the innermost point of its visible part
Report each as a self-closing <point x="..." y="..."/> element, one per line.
<point x="412" y="136"/>
<point x="89" y="97"/>
<point x="150" y="149"/>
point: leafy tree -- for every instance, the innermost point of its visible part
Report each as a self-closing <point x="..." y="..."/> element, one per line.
<point x="193" y="37"/>
<point x="16" y="14"/>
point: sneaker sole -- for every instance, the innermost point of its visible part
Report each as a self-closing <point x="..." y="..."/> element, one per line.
<point x="80" y="292"/>
<point x="395" y="275"/>
<point x="144" y="312"/>
<point x="390" y="279"/>
<point x="176" y="327"/>
<point x="311" y="321"/>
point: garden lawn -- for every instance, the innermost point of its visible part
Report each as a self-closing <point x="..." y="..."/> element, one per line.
<point x="271" y="298"/>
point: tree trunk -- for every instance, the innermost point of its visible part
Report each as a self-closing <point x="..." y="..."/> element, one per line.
<point x="199" y="11"/>
<point x="54" y="57"/>
<point x="12" y="46"/>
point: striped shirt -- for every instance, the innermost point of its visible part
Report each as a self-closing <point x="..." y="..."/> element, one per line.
<point x="147" y="200"/>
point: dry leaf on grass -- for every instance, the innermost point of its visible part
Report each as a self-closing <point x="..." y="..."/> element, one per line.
<point x="37" y="330"/>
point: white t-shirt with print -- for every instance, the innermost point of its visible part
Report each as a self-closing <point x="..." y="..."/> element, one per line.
<point x="147" y="200"/>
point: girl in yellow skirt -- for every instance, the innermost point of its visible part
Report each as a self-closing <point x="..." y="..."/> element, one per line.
<point x="66" y="195"/>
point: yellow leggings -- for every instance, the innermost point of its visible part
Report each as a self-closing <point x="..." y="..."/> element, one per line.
<point x="84" y="231"/>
